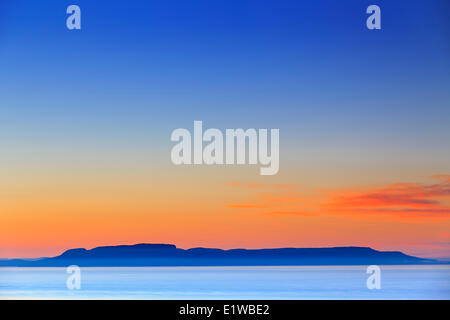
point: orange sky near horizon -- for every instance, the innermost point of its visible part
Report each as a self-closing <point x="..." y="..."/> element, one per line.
<point x="46" y="217"/>
<point x="86" y="119"/>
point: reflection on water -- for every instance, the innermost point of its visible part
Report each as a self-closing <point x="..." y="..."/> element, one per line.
<point x="309" y="282"/>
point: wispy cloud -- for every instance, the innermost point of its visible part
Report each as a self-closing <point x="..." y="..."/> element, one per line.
<point x="444" y="177"/>
<point x="290" y="213"/>
<point x="260" y="185"/>
<point x="398" y="199"/>
<point x="246" y="206"/>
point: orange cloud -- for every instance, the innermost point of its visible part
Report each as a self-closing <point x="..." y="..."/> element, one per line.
<point x="399" y="198"/>
<point x="443" y="177"/>
<point x="283" y="198"/>
<point x="246" y="206"/>
<point x="406" y="200"/>
<point x="291" y="213"/>
<point x="249" y="186"/>
<point x="260" y="185"/>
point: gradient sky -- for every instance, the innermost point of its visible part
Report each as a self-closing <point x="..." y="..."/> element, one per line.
<point x="86" y="118"/>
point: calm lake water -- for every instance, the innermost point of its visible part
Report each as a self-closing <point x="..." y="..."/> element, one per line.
<point x="311" y="282"/>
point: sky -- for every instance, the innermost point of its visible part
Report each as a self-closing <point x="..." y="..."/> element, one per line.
<point x="86" y="117"/>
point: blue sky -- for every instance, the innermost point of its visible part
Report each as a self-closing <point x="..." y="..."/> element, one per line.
<point x="83" y="112"/>
<point x="136" y="71"/>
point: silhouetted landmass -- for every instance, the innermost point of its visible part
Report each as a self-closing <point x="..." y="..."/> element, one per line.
<point x="170" y="255"/>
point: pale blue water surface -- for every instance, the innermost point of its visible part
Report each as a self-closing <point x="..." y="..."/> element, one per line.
<point x="296" y="282"/>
